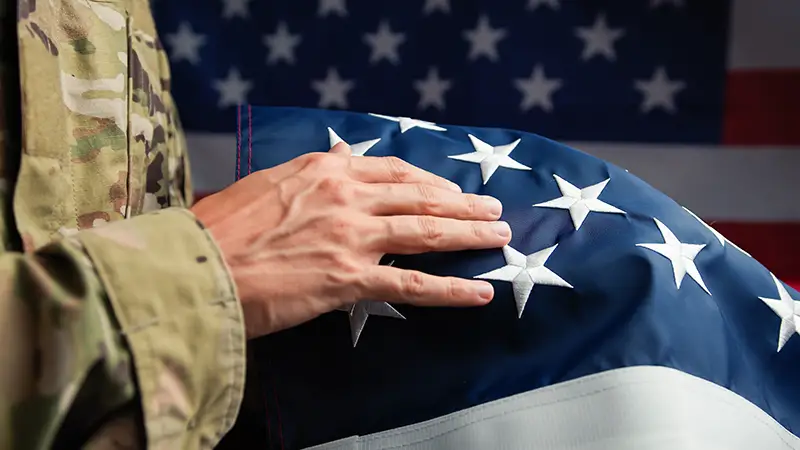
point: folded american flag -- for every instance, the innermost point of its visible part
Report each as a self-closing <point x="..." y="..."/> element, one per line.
<point x="620" y="319"/>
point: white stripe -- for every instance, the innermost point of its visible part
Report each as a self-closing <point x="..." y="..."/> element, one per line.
<point x="735" y="184"/>
<point x="212" y="158"/>
<point x="637" y="408"/>
<point x="764" y="34"/>
<point x="717" y="183"/>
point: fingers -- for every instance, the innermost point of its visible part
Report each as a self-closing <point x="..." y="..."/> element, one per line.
<point x="420" y="234"/>
<point x="384" y="199"/>
<point x="391" y="284"/>
<point x="341" y="148"/>
<point x="366" y="169"/>
<point x="390" y="169"/>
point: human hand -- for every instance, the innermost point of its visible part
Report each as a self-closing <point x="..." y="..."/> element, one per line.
<point x="306" y="237"/>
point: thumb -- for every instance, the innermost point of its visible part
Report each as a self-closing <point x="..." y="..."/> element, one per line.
<point x="341" y="148"/>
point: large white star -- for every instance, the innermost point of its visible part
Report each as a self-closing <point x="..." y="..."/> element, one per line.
<point x="483" y="40"/>
<point x="357" y="149"/>
<point x="234" y="8"/>
<point x="681" y="256"/>
<point x="332" y="90"/>
<point x="537" y="90"/>
<point x="491" y="158"/>
<point x="281" y="44"/>
<point x="327" y="7"/>
<point x="360" y="312"/>
<point x="407" y="123"/>
<point x="659" y="91"/>
<point x="787" y="309"/>
<point x="722" y="239"/>
<point x="384" y="44"/>
<point x="524" y="272"/>
<point x="657" y="3"/>
<point x="432" y="6"/>
<point x="431" y="90"/>
<point x="233" y="89"/>
<point x="533" y="5"/>
<point x="185" y="44"/>
<point x="599" y="39"/>
<point x="580" y="202"/>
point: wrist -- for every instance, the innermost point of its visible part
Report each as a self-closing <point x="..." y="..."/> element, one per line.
<point x="212" y="215"/>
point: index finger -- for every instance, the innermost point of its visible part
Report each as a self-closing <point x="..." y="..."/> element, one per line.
<point x="395" y="285"/>
<point x="390" y="169"/>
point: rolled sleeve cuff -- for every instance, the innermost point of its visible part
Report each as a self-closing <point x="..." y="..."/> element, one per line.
<point x="176" y="304"/>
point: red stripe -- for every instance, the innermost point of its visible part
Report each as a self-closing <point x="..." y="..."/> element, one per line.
<point x="762" y="107"/>
<point x="775" y="245"/>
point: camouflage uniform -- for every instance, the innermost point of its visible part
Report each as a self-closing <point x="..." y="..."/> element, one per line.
<point x="119" y="322"/>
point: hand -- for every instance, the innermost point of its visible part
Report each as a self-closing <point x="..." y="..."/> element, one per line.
<point x="304" y="238"/>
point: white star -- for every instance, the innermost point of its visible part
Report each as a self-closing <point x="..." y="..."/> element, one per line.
<point x="657" y="3"/>
<point x="332" y="90"/>
<point x="524" y="272"/>
<point x="580" y="202"/>
<point x="407" y="123"/>
<point x="533" y="5"/>
<point x="680" y="255"/>
<point x="431" y="90"/>
<point x="360" y="312"/>
<point x="722" y="239"/>
<point x="384" y="44"/>
<point x="233" y="89"/>
<point x="432" y="6"/>
<point x="332" y="6"/>
<point x="186" y="43"/>
<point x="491" y="158"/>
<point x="599" y="39"/>
<point x="659" y="91"/>
<point x="357" y="149"/>
<point x="483" y="40"/>
<point x="233" y="8"/>
<point x="537" y="90"/>
<point x="281" y="44"/>
<point x="787" y="309"/>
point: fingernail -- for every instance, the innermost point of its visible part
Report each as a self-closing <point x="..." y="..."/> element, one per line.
<point x="484" y="290"/>
<point x="493" y="205"/>
<point x="502" y="229"/>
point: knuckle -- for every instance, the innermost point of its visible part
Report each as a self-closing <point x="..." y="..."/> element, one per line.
<point x="323" y="162"/>
<point x="453" y="288"/>
<point x="335" y="190"/>
<point x="315" y="159"/>
<point x="345" y="264"/>
<point x="478" y="230"/>
<point x="399" y="170"/>
<point x="430" y="202"/>
<point x="344" y="270"/>
<point x="472" y="205"/>
<point x="430" y="231"/>
<point x="413" y="284"/>
<point x="341" y="230"/>
<point x="391" y="229"/>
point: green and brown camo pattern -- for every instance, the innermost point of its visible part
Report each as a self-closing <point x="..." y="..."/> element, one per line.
<point x="119" y="319"/>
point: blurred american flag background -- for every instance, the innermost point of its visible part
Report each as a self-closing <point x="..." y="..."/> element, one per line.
<point x="701" y="98"/>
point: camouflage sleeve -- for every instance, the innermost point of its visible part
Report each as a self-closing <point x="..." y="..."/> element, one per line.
<point x="141" y="312"/>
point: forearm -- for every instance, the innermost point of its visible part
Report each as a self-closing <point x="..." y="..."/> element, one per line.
<point x="141" y="309"/>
